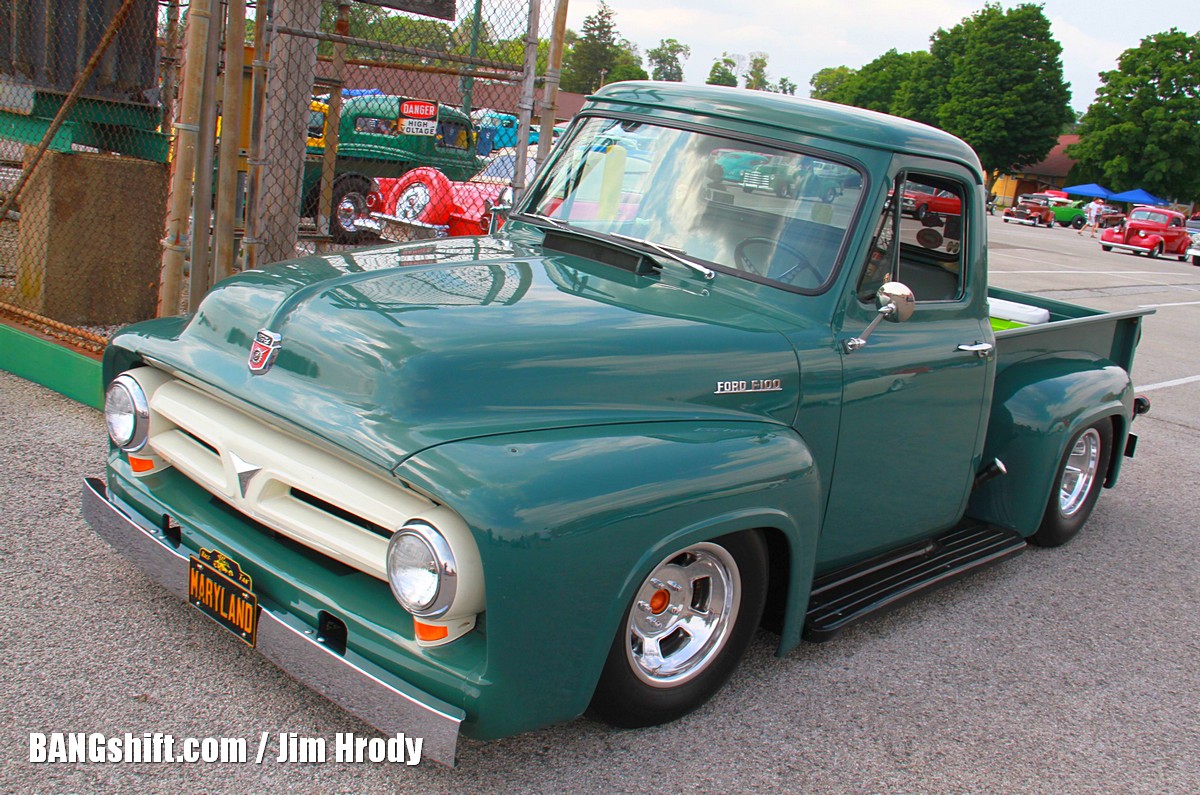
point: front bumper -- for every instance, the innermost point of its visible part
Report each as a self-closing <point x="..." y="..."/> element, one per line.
<point x="357" y="685"/>
<point x="1026" y="220"/>
<point x="1126" y="246"/>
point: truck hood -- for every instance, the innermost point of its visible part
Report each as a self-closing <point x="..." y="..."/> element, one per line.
<point x="386" y="352"/>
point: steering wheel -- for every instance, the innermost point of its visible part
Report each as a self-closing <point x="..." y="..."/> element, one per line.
<point x="770" y="245"/>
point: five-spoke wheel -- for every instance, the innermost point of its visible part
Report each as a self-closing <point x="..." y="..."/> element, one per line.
<point x="1080" y="475"/>
<point x="687" y="626"/>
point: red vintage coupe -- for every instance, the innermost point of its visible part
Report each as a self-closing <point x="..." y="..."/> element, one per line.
<point x="1152" y="231"/>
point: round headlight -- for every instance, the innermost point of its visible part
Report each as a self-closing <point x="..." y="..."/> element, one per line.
<point x="127" y="413"/>
<point x="421" y="570"/>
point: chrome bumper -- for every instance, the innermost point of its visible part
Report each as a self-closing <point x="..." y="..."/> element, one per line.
<point x="361" y="688"/>
<point x="1127" y="247"/>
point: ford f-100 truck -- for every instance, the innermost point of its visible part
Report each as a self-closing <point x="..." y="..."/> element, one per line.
<point x="477" y="485"/>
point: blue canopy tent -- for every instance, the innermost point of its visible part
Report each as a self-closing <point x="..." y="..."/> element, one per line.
<point x="1090" y="189"/>
<point x="1139" y="196"/>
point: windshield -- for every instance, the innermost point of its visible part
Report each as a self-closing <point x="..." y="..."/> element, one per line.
<point x="748" y="209"/>
<point x="1149" y="215"/>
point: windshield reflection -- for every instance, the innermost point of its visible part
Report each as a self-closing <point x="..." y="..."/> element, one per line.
<point x="748" y="209"/>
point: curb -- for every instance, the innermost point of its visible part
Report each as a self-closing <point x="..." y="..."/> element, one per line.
<point x="53" y="366"/>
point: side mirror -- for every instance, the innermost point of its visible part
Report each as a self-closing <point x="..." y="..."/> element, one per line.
<point x="896" y="304"/>
<point x="499" y="209"/>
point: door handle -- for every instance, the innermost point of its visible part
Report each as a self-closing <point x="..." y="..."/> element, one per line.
<point x="980" y="349"/>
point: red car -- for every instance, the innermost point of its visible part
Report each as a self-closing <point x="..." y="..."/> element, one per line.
<point x="921" y="200"/>
<point x="424" y="203"/>
<point x="1033" y="210"/>
<point x="1151" y="231"/>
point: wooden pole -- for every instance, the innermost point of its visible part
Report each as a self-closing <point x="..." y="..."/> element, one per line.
<point x="175" y="246"/>
<point x="231" y="140"/>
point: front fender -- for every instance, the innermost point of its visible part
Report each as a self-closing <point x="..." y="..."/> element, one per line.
<point x="570" y="521"/>
<point x="1037" y="407"/>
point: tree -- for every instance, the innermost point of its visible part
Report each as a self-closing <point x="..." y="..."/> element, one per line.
<point x="594" y="54"/>
<point x="786" y="86"/>
<point x="1005" y="95"/>
<point x="756" y="75"/>
<point x="665" y="60"/>
<point x="627" y="63"/>
<point x="1143" y="129"/>
<point x="828" y="80"/>
<point x="722" y="72"/>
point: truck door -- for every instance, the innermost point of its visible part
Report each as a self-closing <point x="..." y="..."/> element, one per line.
<point x="914" y="401"/>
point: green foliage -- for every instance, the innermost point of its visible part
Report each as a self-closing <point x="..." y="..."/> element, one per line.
<point x="786" y="86"/>
<point x="875" y="86"/>
<point x="1143" y="129"/>
<point x="627" y="63"/>
<point x="829" y="80"/>
<point x="995" y="80"/>
<point x="666" y="60"/>
<point x="596" y="54"/>
<point x="722" y="72"/>
<point x="1006" y="95"/>
<point x="756" y="75"/>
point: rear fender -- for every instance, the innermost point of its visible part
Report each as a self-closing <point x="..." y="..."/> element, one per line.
<point x="569" y="522"/>
<point x="1037" y="407"/>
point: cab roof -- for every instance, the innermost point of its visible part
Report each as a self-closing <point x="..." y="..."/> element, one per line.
<point x="795" y="114"/>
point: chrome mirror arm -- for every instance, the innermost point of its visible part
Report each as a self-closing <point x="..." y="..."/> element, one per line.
<point x="896" y="304"/>
<point x="855" y="343"/>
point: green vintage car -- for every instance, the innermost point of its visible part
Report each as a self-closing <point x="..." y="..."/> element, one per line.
<point x="475" y="486"/>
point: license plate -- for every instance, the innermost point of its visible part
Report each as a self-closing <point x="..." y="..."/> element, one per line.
<point x="219" y="588"/>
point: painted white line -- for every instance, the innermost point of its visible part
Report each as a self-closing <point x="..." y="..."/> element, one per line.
<point x="1165" y="384"/>
<point x="1180" y="303"/>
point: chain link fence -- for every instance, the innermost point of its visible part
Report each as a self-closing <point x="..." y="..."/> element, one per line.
<point x="83" y="162"/>
<point x="355" y="123"/>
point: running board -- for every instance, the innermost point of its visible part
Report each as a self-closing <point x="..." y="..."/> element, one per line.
<point x="850" y="594"/>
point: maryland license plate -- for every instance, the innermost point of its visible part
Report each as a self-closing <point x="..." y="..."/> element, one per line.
<point x="219" y="588"/>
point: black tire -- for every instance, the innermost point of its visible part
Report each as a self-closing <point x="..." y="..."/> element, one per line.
<point x="922" y="211"/>
<point x="1078" y="223"/>
<point x="1077" y="483"/>
<point x="353" y="191"/>
<point x="1155" y="252"/>
<point x="693" y="666"/>
<point x="1196" y="260"/>
<point x="1105" y="248"/>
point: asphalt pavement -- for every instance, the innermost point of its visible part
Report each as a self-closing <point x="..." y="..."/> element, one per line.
<point x="1073" y="670"/>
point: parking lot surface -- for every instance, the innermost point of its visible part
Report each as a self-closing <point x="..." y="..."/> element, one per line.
<point x="1072" y="670"/>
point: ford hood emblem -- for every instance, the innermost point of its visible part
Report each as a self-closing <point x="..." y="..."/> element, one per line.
<point x="265" y="347"/>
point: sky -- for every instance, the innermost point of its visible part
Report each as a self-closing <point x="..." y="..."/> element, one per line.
<point x="802" y="37"/>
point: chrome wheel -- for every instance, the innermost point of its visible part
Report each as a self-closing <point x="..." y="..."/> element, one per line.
<point x="412" y="201"/>
<point x="682" y="615"/>
<point x="352" y="207"/>
<point x="1079" y="474"/>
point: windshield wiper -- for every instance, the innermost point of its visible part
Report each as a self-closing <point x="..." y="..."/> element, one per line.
<point x="675" y="255"/>
<point x="554" y="222"/>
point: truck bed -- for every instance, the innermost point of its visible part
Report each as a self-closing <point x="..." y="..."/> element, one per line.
<point x="1111" y="335"/>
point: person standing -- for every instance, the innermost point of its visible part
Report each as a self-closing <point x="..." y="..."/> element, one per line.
<point x="1092" y="212"/>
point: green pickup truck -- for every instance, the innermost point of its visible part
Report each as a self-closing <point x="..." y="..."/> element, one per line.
<point x="475" y="486"/>
<point x="372" y="142"/>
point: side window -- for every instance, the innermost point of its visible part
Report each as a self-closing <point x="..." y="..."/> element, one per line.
<point x="881" y="258"/>
<point x="453" y="136"/>
<point x="930" y="239"/>
<point x="316" y="124"/>
<point x="369" y="124"/>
